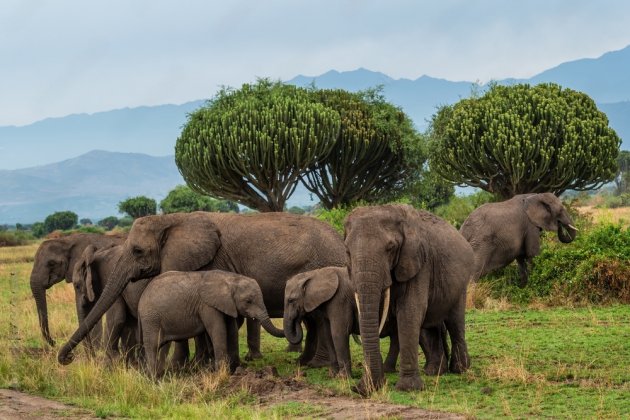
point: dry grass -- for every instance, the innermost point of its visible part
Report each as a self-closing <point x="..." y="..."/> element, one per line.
<point x="18" y="254"/>
<point x="599" y="215"/>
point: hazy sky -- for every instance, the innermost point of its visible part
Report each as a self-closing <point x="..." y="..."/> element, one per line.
<point x="70" y="56"/>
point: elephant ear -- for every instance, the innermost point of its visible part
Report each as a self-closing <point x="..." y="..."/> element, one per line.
<point x="409" y="253"/>
<point x="221" y="297"/>
<point x="539" y="211"/>
<point x="82" y="276"/>
<point x="320" y="288"/>
<point x="190" y="243"/>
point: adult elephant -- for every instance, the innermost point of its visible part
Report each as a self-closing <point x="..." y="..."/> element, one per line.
<point x="269" y="247"/>
<point x="421" y="265"/>
<point x="54" y="261"/>
<point x="500" y="233"/>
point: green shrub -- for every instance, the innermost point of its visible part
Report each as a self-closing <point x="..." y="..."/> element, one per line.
<point x="15" y="238"/>
<point x="459" y="207"/>
<point x="594" y="268"/>
<point x="335" y="216"/>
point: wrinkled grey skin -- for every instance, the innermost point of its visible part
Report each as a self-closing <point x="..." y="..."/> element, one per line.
<point x="54" y="262"/>
<point x="269" y="247"/>
<point x="180" y="305"/>
<point x="500" y="233"/>
<point x="325" y="298"/>
<point x="89" y="278"/>
<point x="427" y="265"/>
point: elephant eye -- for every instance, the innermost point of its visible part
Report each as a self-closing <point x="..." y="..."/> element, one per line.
<point x="51" y="263"/>
<point x="390" y="245"/>
<point x="291" y="300"/>
<point x="136" y="251"/>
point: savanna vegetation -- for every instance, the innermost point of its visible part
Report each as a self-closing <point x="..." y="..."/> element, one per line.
<point x="558" y="348"/>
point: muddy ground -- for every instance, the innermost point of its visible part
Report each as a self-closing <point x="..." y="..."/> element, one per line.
<point x="266" y="385"/>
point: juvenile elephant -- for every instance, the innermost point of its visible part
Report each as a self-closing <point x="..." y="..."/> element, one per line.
<point x="421" y="265"/>
<point x="500" y="233"/>
<point x="181" y="305"/>
<point x="89" y="278"/>
<point x="323" y="297"/>
<point x="269" y="247"/>
<point x="54" y="262"/>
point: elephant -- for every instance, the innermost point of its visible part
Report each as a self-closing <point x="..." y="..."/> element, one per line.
<point x="54" y="262"/>
<point x="323" y="297"/>
<point x="421" y="265"/>
<point x="501" y="232"/>
<point x="178" y="305"/>
<point x="269" y="247"/>
<point x="90" y="275"/>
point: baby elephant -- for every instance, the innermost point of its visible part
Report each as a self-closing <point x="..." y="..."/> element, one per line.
<point x="180" y="305"/>
<point x="324" y="298"/>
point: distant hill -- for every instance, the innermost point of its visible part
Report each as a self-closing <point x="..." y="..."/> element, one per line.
<point x="91" y="185"/>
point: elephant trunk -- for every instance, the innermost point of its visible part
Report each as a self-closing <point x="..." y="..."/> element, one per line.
<point x="293" y="328"/>
<point x="369" y="293"/>
<point x="566" y="232"/>
<point x="39" y="294"/>
<point x="113" y="289"/>
<point x="270" y="328"/>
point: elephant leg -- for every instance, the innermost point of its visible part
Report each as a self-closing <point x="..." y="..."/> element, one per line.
<point x="180" y="355"/>
<point x="432" y="344"/>
<point x="253" y="340"/>
<point x="232" y="343"/>
<point x="340" y="336"/>
<point x="323" y="351"/>
<point x="215" y="324"/>
<point x="150" y="341"/>
<point x="203" y="350"/>
<point x="455" y="324"/>
<point x="410" y="315"/>
<point x="114" y="326"/>
<point x="129" y="343"/>
<point x="389" y="365"/>
<point x="523" y="271"/>
<point x="310" y="342"/>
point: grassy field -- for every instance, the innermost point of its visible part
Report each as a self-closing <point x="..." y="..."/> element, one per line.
<point x="560" y="363"/>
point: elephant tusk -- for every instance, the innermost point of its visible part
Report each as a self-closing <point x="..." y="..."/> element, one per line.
<point x="573" y="227"/>
<point x="385" y="310"/>
<point x="356" y="297"/>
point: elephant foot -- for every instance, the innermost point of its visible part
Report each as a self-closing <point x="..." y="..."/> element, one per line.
<point x="410" y="383"/>
<point x="294" y="348"/>
<point x="435" y="368"/>
<point x="459" y="363"/>
<point x="344" y="373"/>
<point x="317" y="362"/>
<point x="253" y="355"/>
<point x="364" y="387"/>
<point x="389" y="367"/>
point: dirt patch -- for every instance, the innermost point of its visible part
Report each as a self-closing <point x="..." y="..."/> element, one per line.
<point x="16" y="405"/>
<point x="272" y="390"/>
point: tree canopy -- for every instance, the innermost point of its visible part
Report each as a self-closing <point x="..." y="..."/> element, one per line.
<point x="368" y="161"/>
<point x="139" y="206"/>
<point x="183" y="199"/>
<point x="62" y="220"/>
<point x="251" y="145"/>
<point x="521" y="139"/>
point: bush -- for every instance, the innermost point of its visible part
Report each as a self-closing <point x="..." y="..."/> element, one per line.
<point x="594" y="268"/>
<point x="459" y="207"/>
<point x="335" y="217"/>
<point x="15" y="238"/>
<point x="61" y="220"/>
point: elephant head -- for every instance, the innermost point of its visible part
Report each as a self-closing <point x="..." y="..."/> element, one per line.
<point x="54" y="261"/>
<point x="303" y="293"/>
<point x="546" y="212"/>
<point x="239" y="295"/>
<point x="155" y="244"/>
<point x="383" y="246"/>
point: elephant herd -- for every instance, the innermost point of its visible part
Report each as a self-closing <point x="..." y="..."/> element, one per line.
<point x="397" y="272"/>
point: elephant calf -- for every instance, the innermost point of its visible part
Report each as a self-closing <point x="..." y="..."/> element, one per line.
<point x="324" y="299"/>
<point x="179" y="305"/>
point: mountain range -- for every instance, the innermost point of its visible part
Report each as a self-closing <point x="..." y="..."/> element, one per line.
<point x="94" y="182"/>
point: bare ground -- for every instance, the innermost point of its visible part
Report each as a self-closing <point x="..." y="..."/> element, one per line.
<point x="270" y="390"/>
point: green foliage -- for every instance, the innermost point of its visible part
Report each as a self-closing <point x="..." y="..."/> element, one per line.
<point x="622" y="180"/>
<point x="61" y="220"/>
<point x="91" y="229"/>
<point x="39" y="230"/>
<point x="459" y="208"/>
<point x="15" y="238"/>
<point x="183" y="199"/>
<point x="430" y="191"/>
<point x="368" y="161"/>
<point x="108" y="222"/>
<point x="138" y="206"/>
<point x="336" y="216"/>
<point x="521" y="139"/>
<point x="85" y="222"/>
<point x="594" y="268"/>
<point x="296" y="210"/>
<point x="251" y="145"/>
